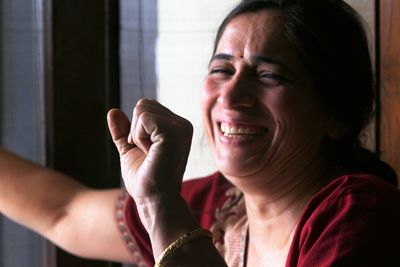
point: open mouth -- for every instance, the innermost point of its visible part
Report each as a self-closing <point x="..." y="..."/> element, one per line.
<point x="231" y="130"/>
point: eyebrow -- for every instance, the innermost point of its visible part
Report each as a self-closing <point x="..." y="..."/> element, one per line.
<point x="221" y="56"/>
<point x="268" y="60"/>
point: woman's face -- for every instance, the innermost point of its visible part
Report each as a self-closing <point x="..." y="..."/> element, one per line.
<point x="259" y="107"/>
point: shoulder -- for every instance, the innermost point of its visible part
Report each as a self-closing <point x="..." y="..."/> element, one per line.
<point x="353" y="198"/>
<point x="356" y="190"/>
<point x="353" y="220"/>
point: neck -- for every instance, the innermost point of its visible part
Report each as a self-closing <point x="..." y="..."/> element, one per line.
<point x="276" y="200"/>
<point x="270" y="199"/>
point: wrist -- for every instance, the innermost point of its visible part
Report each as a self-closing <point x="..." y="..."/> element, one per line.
<point x="165" y="218"/>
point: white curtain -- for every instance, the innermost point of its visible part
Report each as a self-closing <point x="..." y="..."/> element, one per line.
<point x="138" y="37"/>
<point x="21" y="113"/>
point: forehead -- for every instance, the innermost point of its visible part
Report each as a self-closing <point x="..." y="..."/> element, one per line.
<point x="256" y="32"/>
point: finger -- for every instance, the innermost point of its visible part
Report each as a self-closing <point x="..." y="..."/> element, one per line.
<point x="141" y="129"/>
<point x="140" y="132"/>
<point x="155" y="116"/>
<point x="146" y="104"/>
<point x="119" y="126"/>
<point x="146" y="107"/>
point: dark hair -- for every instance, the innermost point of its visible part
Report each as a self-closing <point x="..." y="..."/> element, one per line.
<point x="330" y="39"/>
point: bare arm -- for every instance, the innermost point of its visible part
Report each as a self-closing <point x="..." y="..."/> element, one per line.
<point x="73" y="216"/>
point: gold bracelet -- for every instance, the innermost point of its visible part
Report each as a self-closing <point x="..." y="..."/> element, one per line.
<point x="171" y="249"/>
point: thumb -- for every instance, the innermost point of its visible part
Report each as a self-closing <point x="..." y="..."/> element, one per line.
<point x="119" y="126"/>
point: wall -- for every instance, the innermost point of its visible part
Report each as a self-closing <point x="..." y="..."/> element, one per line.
<point x="186" y="33"/>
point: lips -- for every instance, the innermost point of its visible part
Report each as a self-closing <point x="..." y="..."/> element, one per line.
<point x="236" y="130"/>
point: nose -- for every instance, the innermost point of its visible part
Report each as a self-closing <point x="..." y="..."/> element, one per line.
<point x="237" y="92"/>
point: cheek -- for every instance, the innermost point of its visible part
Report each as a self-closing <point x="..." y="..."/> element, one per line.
<point x="276" y="102"/>
<point x="209" y="96"/>
<point x="294" y="104"/>
<point x="208" y="101"/>
<point x="298" y="112"/>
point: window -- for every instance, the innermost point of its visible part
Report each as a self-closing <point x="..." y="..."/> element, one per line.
<point x="21" y="114"/>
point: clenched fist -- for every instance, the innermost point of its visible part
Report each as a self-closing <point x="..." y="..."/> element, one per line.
<point x="153" y="148"/>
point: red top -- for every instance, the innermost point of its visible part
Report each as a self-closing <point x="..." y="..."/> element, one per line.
<point x="353" y="221"/>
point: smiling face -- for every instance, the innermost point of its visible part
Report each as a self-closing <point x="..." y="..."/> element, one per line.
<point x="259" y="107"/>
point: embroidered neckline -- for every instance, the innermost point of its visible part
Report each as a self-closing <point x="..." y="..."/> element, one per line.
<point x="229" y="228"/>
<point x="244" y="241"/>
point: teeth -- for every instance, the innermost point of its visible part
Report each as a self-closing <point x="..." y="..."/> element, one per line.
<point x="239" y="130"/>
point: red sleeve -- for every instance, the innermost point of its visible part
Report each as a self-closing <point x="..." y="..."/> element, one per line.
<point x="354" y="221"/>
<point x="203" y="196"/>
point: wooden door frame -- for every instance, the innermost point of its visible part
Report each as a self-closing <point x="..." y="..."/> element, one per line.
<point x="81" y="85"/>
<point x="389" y="82"/>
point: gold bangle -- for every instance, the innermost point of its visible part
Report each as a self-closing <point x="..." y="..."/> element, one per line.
<point x="171" y="249"/>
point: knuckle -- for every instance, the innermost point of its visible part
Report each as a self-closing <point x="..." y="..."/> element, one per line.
<point x="187" y="125"/>
<point x="144" y="117"/>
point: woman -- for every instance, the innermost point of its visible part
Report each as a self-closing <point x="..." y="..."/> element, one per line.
<point x="288" y="92"/>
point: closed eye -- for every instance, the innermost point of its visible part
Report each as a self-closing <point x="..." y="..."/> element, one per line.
<point x="221" y="71"/>
<point x="274" y="78"/>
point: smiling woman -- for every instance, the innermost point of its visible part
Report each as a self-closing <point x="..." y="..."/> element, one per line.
<point x="256" y="83"/>
<point x="292" y="187"/>
<point x="283" y="115"/>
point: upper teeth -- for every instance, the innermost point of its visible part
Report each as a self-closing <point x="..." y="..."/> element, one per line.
<point x="226" y="129"/>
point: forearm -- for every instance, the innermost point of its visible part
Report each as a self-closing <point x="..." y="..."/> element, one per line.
<point x="153" y="151"/>
<point x="74" y="217"/>
<point x="168" y="218"/>
<point x="31" y="194"/>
